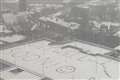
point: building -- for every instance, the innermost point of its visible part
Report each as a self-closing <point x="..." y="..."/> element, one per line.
<point x="9" y="5"/>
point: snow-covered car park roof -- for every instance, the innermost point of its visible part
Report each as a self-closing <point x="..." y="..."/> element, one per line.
<point x="61" y="62"/>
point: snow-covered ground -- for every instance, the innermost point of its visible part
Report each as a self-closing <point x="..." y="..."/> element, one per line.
<point x="13" y="38"/>
<point x="1" y="43"/>
<point x="118" y="47"/>
<point x="117" y="34"/>
<point x="58" y="63"/>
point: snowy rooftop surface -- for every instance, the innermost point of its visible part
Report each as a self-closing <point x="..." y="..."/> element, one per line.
<point x="59" y="63"/>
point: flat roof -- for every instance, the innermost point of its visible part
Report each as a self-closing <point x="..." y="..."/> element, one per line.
<point x="51" y="59"/>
